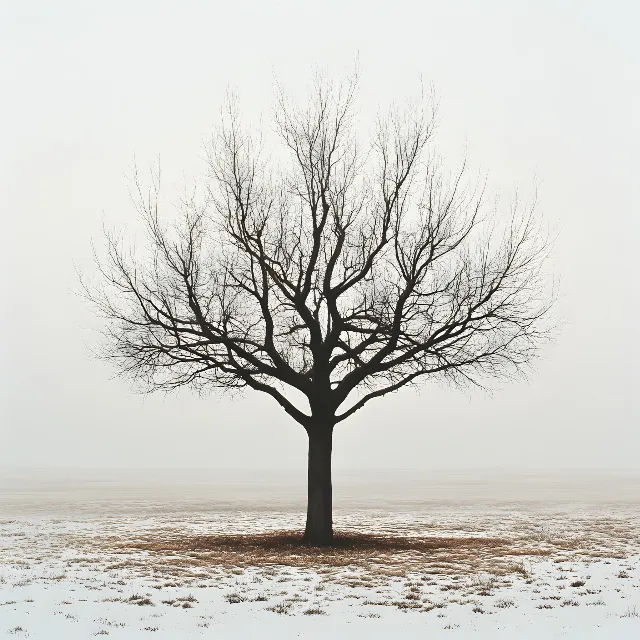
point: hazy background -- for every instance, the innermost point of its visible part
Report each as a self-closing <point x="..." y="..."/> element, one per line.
<point x="547" y="88"/>
<point x="236" y="492"/>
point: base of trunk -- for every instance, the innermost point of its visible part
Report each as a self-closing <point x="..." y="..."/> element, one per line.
<point x="319" y="529"/>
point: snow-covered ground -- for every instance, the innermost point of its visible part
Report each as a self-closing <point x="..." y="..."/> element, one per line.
<point x="490" y="570"/>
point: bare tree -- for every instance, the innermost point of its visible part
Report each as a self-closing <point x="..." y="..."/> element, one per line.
<point x="328" y="281"/>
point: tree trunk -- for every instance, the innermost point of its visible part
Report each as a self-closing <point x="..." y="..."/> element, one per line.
<point x="319" y="529"/>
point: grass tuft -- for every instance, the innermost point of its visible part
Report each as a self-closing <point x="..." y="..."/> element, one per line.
<point x="141" y="601"/>
<point x="314" y="611"/>
<point x="235" y="598"/>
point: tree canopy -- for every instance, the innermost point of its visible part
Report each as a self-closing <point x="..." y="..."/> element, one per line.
<point x="347" y="271"/>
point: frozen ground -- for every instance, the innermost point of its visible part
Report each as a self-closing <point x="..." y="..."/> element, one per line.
<point x="452" y="557"/>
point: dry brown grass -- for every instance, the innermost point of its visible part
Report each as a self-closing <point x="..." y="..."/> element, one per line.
<point x="170" y="551"/>
<point x="290" y="544"/>
<point x="393" y="553"/>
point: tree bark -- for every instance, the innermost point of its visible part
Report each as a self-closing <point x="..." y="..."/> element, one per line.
<point x="319" y="529"/>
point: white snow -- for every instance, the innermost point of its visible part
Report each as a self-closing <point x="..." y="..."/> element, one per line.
<point x="79" y="577"/>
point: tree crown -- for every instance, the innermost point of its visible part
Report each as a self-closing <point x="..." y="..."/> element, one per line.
<point x="347" y="273"/>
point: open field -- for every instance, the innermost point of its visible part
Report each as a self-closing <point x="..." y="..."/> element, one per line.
<point x="82" y="558"/>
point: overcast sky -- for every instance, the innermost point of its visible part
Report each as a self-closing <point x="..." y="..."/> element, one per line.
<point x="546" y="89"/>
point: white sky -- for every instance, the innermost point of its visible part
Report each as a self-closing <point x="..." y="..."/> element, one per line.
<point x="547" y="88"/>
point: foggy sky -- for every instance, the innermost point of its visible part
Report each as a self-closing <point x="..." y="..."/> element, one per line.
<point x="546" y="90"/>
